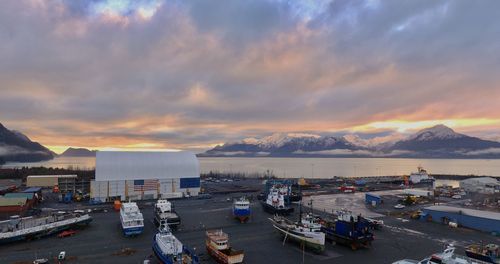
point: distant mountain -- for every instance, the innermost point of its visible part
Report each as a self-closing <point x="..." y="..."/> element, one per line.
<point x="78" y="152"/>
<point x="441" y="141"/>
<point x="435" y="142"/>
<point x="286" y="144"/>
<point x="17" y="147"/>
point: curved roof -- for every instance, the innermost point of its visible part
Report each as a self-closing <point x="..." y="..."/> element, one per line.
<point x="125" y="165"/>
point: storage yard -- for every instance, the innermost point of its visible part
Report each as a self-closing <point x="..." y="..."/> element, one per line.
<point x="103" y="241"/>
<point x="419" y="218"/>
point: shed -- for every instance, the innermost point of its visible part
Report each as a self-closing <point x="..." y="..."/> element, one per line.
<point x="33" y="190"/>
<point x="11" y="205"/>
<point x="475" y="219"/>
<point x="373" y="199"/>
<point x="45" y="180"/>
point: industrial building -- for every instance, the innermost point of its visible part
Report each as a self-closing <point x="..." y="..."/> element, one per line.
<point x="373" y="199"/>
<point x="144" y="175"/>
<point x="474" y="219"/>
<point x="485" y="185"/>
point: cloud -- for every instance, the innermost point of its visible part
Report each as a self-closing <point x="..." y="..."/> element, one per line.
<point x="73" y="72"/>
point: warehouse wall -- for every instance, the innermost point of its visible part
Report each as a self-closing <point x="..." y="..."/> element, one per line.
<point x="473" y="222"/>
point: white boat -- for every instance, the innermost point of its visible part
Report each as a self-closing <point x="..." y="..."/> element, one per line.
<point x="25" y="228"/>
<point x="307" y="231"/>
<point x="168" y="249"/>
<point x="166" y="215"/>
<point x="420" y="176"/>
<point x="275" y="202"/>
<point x="131" y="219"/>
<point x="448" y="256"/>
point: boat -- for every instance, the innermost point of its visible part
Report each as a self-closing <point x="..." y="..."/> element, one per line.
<point x="26" y="228"/>
<point x="217" y="244"/>
<point x="241" y="209"/>
<point x="489" y="253"/>
<point x="421" y="176"/>
<point x="166" y="215"/>
<point x="275" y="203"/>
<point x="131" y="219"/>
<point x="347" y="229"/>
<point x="307" y="232"/>
<point x="448" y="256"/>
<point x="169" y="250"/>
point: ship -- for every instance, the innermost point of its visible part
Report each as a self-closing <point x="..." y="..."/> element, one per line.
<point x="489" y="253"/>
<point x="349" y="230"/>
<point x="131" y="219"/>
<point x="27" y="228"/>
<point x="307" y="231"/>
<point x="275" y="203"/>
<point x="166" y="215"/>
<point x="421" y="176"/>
<point x="169" y="250"/>
<point x="448" y="256"/>
<point x="217" y="244"/>
<point x="241" y="209"/>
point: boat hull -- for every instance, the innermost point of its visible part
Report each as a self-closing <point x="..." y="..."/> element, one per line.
<point x="241" y="214"/>
<point x="354" y="243"/>
<point x="133" y="231"/>
<point x="45" y="232"/>
<point x="169" y="259"/>
<point x="481" y="257"/>
<point x="273" y="210"/>
<point x="311" y="243"/>
<point x="172" y="222"/>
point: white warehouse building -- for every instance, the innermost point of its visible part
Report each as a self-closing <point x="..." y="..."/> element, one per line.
<point x="144" y="175"/>
<point x="481" y="185"/>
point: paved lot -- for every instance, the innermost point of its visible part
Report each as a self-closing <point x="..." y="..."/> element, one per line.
<point x="102" y="240"/>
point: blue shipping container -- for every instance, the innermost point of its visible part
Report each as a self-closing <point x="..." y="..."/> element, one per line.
<point x="369" y="198"/>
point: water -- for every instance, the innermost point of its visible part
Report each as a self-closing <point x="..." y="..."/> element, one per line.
<point x="314" y="167"/>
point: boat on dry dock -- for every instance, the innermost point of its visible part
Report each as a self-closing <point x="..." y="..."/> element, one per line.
<point x="26" y="228"/>
<point x="131" y="219"/>
<point x="241" y="209"/>
<point x="307" y="231"/>
<point x="448" y="256"/>
<point x="489" y="253"/>
<point x="275" y="203"/>
<point x="166" y="215"/>
<point x="217" y="244"/>
<point x="169" y="250"/>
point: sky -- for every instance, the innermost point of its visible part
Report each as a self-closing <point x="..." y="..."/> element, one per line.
<point x="193" y="74"/>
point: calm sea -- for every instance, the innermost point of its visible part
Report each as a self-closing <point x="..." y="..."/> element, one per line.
<point x="315" y="167"/>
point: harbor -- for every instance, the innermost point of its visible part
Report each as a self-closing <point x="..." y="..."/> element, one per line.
<point x="103" y="240"/>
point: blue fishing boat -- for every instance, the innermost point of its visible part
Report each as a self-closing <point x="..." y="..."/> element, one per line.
<point x="241" y="209"/>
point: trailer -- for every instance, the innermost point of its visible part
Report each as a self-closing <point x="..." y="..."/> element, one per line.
<point x="349" y="230"/>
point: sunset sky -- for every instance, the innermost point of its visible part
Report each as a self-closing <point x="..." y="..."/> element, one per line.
<point x="193" y="74"/>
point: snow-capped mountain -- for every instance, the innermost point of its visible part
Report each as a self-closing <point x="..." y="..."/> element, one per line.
<point x="435" y="142"/>
<point x="437" y="132"/>
<point x="441" y="141"/>
<point x="282" y="144"/>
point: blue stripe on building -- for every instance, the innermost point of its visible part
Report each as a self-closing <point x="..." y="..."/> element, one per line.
<point x="190" y="182"/>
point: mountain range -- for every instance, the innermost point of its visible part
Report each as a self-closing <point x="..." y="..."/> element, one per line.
<point x="17" y="147"/>
<point x="435" y="142"/>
